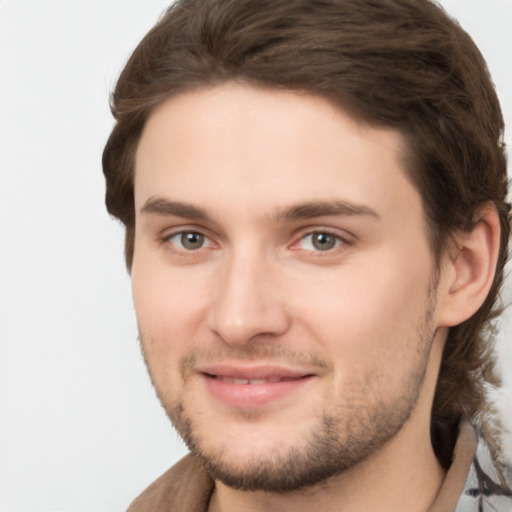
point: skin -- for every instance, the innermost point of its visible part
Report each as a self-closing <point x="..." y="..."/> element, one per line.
<point x="363" y="315"/>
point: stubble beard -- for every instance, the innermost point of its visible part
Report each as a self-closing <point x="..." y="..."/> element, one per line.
<point x="335" y="446"/>
<point x="343" y="438"/>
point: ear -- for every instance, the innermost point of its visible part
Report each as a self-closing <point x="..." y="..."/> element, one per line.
<point x="468" y="270"/>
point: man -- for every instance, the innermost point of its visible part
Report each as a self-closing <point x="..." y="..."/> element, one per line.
<point x="314" y="195"/>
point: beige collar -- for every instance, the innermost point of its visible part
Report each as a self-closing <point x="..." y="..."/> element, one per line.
<point x="187" y="486"/>
<point x="455" y="479"/>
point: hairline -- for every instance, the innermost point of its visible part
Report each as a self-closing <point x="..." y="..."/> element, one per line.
<point x="406" y="153"/>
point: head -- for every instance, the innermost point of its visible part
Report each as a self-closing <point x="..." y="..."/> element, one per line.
<point x="392" y="66"/>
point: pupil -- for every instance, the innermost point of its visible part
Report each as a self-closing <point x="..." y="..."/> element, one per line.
<point x="192" y="240"/>
<point x="323" y="241"/>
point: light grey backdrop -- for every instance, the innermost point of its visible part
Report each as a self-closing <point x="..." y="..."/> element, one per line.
<point x="80" y="428"/>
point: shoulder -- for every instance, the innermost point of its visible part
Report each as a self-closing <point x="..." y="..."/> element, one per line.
<point x="185" y="486"/>
<point x="488" y="485"/>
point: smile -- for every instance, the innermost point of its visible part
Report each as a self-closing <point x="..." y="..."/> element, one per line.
<point x="252" y="388"/>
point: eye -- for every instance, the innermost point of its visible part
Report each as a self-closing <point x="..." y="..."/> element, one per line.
<point x="320" y="241"/>
<point x="189" y="240"/>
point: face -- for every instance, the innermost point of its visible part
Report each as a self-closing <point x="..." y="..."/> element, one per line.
<point x="283" y="283"/>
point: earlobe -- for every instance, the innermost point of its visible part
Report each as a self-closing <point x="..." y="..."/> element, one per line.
<point x="468" y="272"/>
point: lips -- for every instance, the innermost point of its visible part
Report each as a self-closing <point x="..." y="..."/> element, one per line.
<point x="242" y="381"/>
<point x="268" y="373"/>
<point x="252" y="387"/>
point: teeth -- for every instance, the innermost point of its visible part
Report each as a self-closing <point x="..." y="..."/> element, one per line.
<point x="240" y="382"/>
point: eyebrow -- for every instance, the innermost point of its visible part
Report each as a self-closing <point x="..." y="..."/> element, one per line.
<point x="164" y="207"/>
<point x="314" y="209"/>
<point x="307" y="210"/>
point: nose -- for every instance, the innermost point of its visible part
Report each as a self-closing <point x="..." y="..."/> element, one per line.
<point x="247" y="303"/>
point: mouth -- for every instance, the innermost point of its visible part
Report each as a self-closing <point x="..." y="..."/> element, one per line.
<point x="252" y="387"/>
<point x="252" y="382"/>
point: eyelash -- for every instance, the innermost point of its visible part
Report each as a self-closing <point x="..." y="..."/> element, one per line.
<point x="337" y="239"/>
<point x="340" y="242"/>
<point x="185" y="232"/>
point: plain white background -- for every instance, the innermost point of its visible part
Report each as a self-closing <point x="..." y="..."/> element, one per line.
<point x="80" y="427"/>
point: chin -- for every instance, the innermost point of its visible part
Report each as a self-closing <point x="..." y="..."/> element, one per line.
<point x="280" y="463"/>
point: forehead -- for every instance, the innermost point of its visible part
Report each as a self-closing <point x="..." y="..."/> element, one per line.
<point x="235" y="146"/>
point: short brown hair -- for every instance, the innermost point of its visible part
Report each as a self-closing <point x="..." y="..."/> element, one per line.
<point x="399" y="63"/>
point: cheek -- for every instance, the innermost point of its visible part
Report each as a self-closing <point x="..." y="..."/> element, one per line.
<point x="168" y="308"/>
<point x="366" y="312"/>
